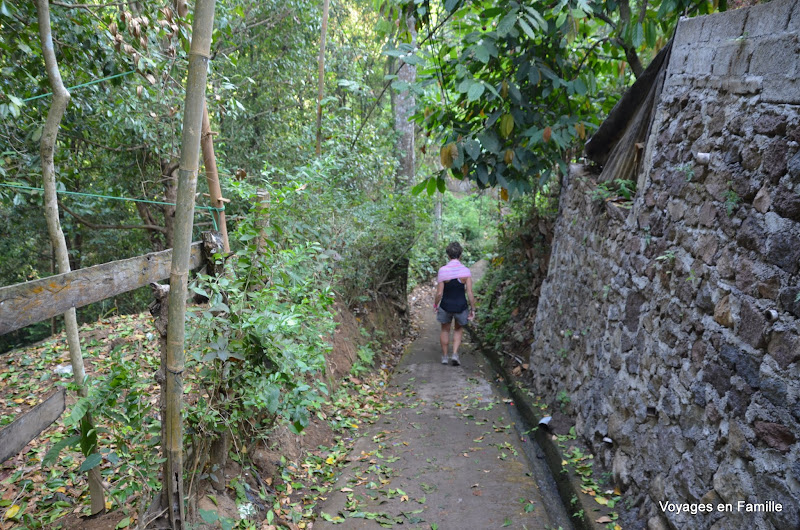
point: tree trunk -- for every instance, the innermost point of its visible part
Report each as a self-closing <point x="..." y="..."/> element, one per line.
<point x="199" y="53"/>
<point x="212" y="178"/>
<point x="47" y="150"/>
<point x="52" y="272"/>
<point x="321" y="90"/>
<point x="403" y="106"/>
<point x="403" y="109"/>
<point x="169" y="179"/>
<point x="156" y="243"/>
<point x="437" y="217"/>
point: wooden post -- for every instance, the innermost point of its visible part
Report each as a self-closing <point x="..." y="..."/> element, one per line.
<point x="213" y="243"/>
<point x="199" y="52"/>
<point x="47" y="150"/>
<point x="158" y="308"/>
<point x="212" y="177"/>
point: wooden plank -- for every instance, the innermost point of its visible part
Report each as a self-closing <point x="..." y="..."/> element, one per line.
<point x="30" y="302"/>
<point x="14" y="437"/>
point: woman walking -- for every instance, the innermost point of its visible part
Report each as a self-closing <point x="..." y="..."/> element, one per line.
<point x="450" y="303"/>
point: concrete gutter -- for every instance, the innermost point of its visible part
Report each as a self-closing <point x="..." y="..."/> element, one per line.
<point x="568" y="485"/>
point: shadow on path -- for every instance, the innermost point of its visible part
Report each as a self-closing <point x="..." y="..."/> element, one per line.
<point x="447" y="455"/>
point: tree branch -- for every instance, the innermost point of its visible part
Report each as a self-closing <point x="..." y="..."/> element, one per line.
<point x="94" y="226"/>
<point x="272" y="21"/>
<point x="586" y="56"/>
<point x="630" y="53"/>
<point x="388" y="83"/>
<point x="643" y="11"/>
<point x="106" y="147"/>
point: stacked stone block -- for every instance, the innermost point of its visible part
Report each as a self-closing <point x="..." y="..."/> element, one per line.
<point x="673" y="323"/>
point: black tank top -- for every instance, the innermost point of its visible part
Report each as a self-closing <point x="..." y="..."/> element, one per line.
<point x="454" y="298"/>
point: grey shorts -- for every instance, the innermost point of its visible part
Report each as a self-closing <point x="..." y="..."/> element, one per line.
<point x="444" y="317"/>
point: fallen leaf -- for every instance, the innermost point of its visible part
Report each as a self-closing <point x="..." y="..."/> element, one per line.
<point x="11" y="512"/>
<point x="603" y="519"/>
<point x="477" y="493"/>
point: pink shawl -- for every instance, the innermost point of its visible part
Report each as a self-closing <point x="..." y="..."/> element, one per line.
<point x="454" y="269"/>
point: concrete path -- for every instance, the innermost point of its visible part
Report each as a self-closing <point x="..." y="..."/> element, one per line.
<point x="447" y="456"/>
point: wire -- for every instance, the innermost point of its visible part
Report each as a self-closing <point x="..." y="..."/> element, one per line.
<point x="65" y="192"/>
<point x="82" y="85"/>
<point x="129" y="199"/>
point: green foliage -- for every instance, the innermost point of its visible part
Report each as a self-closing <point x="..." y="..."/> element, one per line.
<point x="259" y="344"/>
<point x="616" y="189"/>
<point x="563" y="399"/>
<point x="510" y="90"/>
<point x="119" y="135"/>
<point x="505" y="288"/>
<point x="732" y="200"/>
<point x="471" y="220"/>
<point x="687" y="169"/>
<point x="126" y="445"/>
<point x="365" y="360"/>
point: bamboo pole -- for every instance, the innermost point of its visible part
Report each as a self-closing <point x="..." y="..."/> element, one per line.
<point x="47" y="148"/>
<point x="212" y="177"/>
<point x="321" y="90"/>
<point x="199" y="53"/>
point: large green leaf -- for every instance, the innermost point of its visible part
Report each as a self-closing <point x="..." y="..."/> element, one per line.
<point x="475" y="92"/>
<point x="473" y="148"/>
<point x="638" y="35"/>
<point x="489" y="141"/>
<point x="481" y="53"/>
<point x="506" y="24"/>
<point x="526" y="28"/>
<point x="91" y="462"/>
<point x="52" y="455"/>
<point x="431" y="186"/>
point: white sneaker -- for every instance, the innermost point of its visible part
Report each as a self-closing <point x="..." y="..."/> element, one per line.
<point x="444" y="359"/>
<point x="454" y="360"/>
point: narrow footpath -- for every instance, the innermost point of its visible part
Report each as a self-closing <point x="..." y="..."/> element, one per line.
<point x="446" y="456"/>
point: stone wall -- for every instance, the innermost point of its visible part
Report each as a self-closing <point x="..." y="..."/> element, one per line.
<point x="672" y="325"/>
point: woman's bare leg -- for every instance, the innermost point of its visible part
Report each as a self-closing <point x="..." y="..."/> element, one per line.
<point x="444" y="338"/>
<point x="457" y="332"/>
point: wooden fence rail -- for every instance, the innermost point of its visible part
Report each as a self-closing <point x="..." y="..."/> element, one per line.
<point x="14" y="437"/>
<point x="31" y="302"/>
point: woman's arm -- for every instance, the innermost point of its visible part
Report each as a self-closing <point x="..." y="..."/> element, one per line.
<point x="471" y="297"/>
<point x="438" y="296"/>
